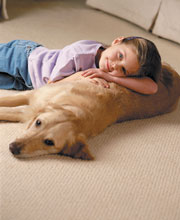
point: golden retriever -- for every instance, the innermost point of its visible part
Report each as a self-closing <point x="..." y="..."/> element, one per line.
<point x="61" y="116"/>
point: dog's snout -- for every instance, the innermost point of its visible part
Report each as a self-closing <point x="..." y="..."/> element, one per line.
<point x="15" y="148"/>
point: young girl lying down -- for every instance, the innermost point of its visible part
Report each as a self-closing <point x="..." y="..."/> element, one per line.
<point x="132" y="62"/>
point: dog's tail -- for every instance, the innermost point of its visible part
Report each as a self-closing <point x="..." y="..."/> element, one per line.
<point x="170" y="78"/>
<point x="17" y="99"/>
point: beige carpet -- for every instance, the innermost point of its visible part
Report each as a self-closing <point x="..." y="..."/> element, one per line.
<point x="136" y="172"/>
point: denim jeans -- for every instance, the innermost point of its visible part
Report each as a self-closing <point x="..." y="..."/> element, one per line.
<point x="14" y="64"/>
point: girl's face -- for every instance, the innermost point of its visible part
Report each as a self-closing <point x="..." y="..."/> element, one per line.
<point x="119" y="59"/>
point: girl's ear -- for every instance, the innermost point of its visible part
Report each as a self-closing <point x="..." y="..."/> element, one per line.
<point x="117" y="40"/>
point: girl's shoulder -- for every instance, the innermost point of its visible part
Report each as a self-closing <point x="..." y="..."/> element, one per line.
<point x="86" y="43"/>
<point x="83" y="47"/>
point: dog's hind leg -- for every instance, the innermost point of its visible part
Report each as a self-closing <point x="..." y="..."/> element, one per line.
<point x="21" y="98"/>
<point x="14" y="114"/>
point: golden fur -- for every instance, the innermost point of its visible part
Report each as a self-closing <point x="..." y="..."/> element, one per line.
<point x="61" y="116"/>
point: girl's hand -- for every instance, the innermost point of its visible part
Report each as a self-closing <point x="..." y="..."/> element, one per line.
<point x="93" y="76"/>
<point x="101" y="82"/>
<point x="94" y="73"/>
<point x="50" y="82"/>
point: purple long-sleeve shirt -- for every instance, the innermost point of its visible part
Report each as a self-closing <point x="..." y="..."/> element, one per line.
<point x="50" y="65"/>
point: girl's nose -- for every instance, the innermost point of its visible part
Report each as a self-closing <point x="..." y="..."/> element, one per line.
<point x="115" y="66"/>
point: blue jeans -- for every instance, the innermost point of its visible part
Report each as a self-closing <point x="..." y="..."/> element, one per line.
<point x="14" y="64"/>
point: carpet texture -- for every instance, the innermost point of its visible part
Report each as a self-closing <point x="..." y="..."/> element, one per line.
<point x="136" y="171"/>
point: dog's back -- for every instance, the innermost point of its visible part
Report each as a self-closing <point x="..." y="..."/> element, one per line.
<point x="97" y="107"/>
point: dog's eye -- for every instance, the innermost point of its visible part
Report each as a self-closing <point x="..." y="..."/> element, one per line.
<point x="49" y="142"/>
<point x="38" y="123"/>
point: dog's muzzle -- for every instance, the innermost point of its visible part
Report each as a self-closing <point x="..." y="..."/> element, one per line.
<point x="15" y="148"/>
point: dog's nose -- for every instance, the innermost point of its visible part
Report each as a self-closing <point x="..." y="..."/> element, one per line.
<point x="15" y="148"/>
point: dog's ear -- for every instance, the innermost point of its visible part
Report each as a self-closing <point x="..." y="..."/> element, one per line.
<point x="80" y="150"/>
<point x="77" y="150"/>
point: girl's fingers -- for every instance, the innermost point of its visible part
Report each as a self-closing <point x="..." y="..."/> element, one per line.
<point x="84" y="73"/>
<point x="49" y="82"/>
<point x="90" y="75"/>
<point x="88" y="72"/>
<point x="93" y="76"/>
<point x="102" y="82"/>
<point x="94" y="81"/>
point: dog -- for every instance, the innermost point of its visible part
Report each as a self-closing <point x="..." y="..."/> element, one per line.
<point x="62" y="116"/>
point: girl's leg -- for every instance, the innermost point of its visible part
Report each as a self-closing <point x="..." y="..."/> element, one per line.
<point x="14" y="64"/>
<point x="9" y="82"/>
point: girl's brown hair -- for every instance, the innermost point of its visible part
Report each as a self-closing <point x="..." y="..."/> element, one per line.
<point x="148" y="56"/>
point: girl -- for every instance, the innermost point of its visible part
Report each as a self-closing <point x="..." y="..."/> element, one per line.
<point x="133" y="62"/>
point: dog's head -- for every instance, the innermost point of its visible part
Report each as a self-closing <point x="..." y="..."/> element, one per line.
<point x="52" y="132"/>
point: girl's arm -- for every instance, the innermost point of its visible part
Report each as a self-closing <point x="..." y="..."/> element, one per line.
<point x="144" y="85"/>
